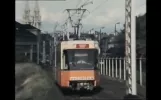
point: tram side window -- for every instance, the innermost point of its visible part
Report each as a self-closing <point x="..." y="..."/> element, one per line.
<point x="93" y="56"/>
<point x="96" y="55"/>
<point x="58" y="58"/>
<point x="96" y="60"/>
<point x="66" y="59"/>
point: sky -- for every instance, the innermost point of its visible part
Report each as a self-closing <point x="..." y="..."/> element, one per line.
<point x="102" y="13"/>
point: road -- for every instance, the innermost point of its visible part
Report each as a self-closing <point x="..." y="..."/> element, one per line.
<point x="110" y="89"/>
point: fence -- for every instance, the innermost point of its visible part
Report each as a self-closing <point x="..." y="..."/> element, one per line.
<point x="115" y="68"/>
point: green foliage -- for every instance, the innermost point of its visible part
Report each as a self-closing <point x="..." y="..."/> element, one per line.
<point x="119" y="40"/>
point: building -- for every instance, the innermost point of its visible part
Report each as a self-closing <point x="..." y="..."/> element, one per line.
<point x="25" y="41"/>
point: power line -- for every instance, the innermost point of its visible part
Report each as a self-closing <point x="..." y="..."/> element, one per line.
<point x="85" y="4"/>
<point x="69" y="1"/>
<point x="97" y="7"/>
<point x="63" y="9"/>
<point x="79" y="1"/>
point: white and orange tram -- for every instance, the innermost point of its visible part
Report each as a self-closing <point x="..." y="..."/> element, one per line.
<point x="77" y="64"/>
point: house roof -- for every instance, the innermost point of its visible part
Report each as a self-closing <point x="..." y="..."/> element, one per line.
<point x="18" y="25"/>
<point x="22" y="30"/>
<point x="25" y="26"/>
<point x="24" y="33"/>
<point x="28" y="26"/>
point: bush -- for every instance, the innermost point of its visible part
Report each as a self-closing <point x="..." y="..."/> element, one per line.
<point x="31" y="82"/>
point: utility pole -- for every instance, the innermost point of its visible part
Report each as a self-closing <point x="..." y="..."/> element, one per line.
<point x="115" y="28"/>
<point x="100" y="36"/>
<point x="77" y="24"/>
<point x="38" y="46"/>
<point x="79" y="10"/>
<point x="37" y="23"/>
<point x="44" y="52"/>
<point x="52" y="44"/>
<point x="130" y="47"/>
<point x="55" y="44"/>
<point x="31" y="53"/>
<point x="106" y="45"/>
<point x="115" y="32"/>
<point x="64" y="27"/>
<point x="55" y="54"/>
<point x="51" y="51"/>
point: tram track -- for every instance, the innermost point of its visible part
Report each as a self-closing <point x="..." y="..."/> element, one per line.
<point x="100" y="94"/>
<point x="81" y="96"/>
<point x="110" y="90"/>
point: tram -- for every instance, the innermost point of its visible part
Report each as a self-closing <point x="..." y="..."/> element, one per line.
<point x="77" y="64"/>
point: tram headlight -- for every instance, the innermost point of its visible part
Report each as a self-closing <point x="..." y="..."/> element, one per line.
<point x="81" y="84"/>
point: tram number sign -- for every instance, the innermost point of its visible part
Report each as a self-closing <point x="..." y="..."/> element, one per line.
<point x="81" y="78"/>
<point x="82" y="45"/>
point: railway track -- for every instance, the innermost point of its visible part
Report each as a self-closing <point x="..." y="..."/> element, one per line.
<point x="99" y="94"/>
<point x="84" y="97"/>
<point x="109" y="90"/>
<point x="81" y="96"/>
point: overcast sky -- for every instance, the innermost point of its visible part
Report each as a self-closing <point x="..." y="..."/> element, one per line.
<point x="102" y="13"/>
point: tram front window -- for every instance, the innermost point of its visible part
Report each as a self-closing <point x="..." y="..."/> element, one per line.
<point x="82" y="59"/>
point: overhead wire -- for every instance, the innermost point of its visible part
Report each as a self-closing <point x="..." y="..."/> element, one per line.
<point x="69" y="1"/>
<point x="96" y="8"/>
<point x="74" y="12"/>
<point x="63" y="10"/>
<point x="99" y="6"/>
<point x="69" y="18"/>
<point x="76" y="7"/>
<point x="79" y="1"/>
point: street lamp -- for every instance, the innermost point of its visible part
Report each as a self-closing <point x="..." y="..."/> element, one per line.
<point x="100" y="33"/>
<point x="101" y="28"/>
<point x="115" y="27"/>
<point x="116" y="31"/>
<point x="110" y="33"/>
<point x="91" y="30"/>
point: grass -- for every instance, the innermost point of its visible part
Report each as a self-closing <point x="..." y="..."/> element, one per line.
<point x="32" y="83"/>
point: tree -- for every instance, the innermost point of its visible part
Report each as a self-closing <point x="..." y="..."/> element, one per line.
<point x="119" y="40"/>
